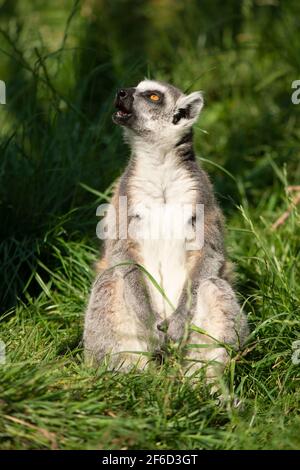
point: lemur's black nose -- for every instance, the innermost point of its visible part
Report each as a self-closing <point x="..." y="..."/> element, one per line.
<point x="124" y="99"/>
<point x="122" y="94"/>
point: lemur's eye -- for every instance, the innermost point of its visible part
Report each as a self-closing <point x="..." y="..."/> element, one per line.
<point x="154" y="97"/>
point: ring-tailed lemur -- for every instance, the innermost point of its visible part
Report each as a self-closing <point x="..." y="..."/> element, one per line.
<point x="126" y="311"/>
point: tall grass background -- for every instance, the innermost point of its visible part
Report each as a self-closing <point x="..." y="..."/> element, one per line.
<point x="59" y="155"/>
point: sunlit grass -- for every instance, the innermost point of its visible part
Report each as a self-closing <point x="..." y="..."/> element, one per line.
<point x="60" y="154"/>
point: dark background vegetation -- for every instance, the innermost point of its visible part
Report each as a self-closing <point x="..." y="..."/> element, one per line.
<point x="60" y="153"/>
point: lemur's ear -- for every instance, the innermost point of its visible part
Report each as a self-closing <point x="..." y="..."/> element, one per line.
<point x="188" y="107"/>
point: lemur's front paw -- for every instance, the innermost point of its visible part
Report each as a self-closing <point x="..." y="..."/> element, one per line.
<point x="157" y="337"/>
<point x="174" y="326"/>
<point x="160" y="337"/>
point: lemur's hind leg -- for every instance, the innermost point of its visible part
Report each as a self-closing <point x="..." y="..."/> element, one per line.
<point x="218" y="313"/>
<point x="112" y="332"/>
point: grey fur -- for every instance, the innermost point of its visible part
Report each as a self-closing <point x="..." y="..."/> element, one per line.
<point x="122" y="313"/>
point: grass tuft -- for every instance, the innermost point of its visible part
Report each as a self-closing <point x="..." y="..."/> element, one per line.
<point x="60" y="155"/>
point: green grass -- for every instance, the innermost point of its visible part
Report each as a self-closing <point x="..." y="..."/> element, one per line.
<point x="59" y="155"/>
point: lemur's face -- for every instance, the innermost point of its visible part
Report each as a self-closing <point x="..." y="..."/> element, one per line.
<point x="156" y="110"/>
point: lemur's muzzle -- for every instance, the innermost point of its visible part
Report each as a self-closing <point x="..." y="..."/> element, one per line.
<point x="123" y="103"/>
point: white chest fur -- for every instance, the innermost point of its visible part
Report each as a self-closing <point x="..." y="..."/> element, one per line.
<point x="162" y="193"/>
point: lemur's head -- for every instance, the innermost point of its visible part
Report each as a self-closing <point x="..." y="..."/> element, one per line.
<point x="156" y="111"/>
